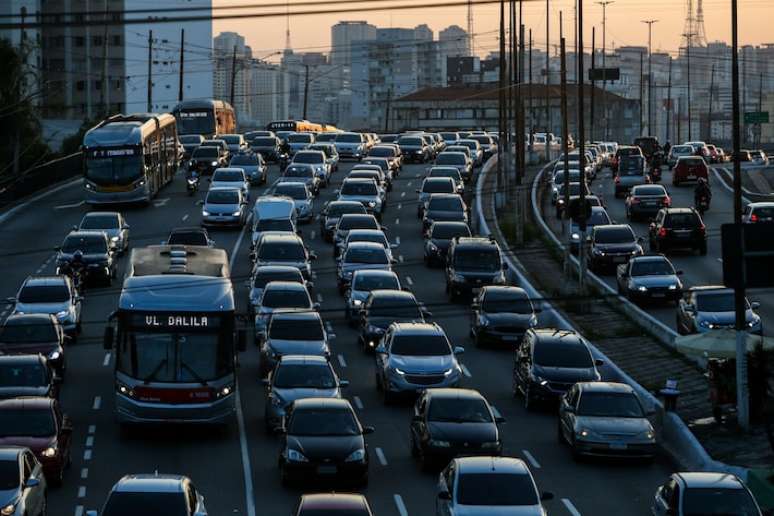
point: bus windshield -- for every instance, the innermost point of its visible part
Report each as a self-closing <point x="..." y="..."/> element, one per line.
<point x="195" y="122"/>
<point x="115" y="170"/>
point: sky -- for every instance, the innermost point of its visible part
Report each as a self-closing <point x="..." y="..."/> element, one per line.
<point x="624" y="26"/>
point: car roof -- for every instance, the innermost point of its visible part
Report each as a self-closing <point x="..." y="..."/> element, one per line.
<point x="359" y="180"/>
<point x="30" y="318"/>
<point x="452" y="393"/>
<point x="610" y="227"/>
<point x="276" y="269"/>
<point x="556" y="335"/>
<point x="333" y="501"/>
<point x="358" y="216"/>
<point x="710" y="480"/>
<point x="22" y="359"/>
<point x="364" y="244"/>
<point x="284" y="285"/>
<point x="374" y="272"/>
<point x="475" y="242"/>
<point x="606" y="387"/>
<point x="31" y="402"/>
<point x="505" y="289"/>
<point x="761" y="204"/>
<point x="649" y="258"/>
<point x="150" y="483"/>
<point x="312" y="403"/>
<point x="438" y="179"/>
<point x="417" y="329"/>
<point x="281" y="236"/>
<point x="40" y="281"/>
<point x="711" y="289"/>
<point x="445" y="195"/>
<point x="8" y="453"/>
<point x="391" y="293"/>
<point x="297" y="316"/>
<point x="229" y="169"/>
<point x="304" y="360"/>
<point x="101" y="213"/>
<point x="678" y="210"/>
<point x="484" y="464"/>
<point x="86" y="233"/>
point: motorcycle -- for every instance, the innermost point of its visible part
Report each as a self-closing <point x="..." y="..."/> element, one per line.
<point x="702" y="203"/>
<point x="76" y="272"/>
<point x="284" y="161"/>
<point x="655" y="174"/>
<point x="192" y="183"/>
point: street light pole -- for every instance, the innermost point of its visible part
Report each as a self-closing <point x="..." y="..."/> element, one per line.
<point x="604" y="5"/>
<point x="650" y="74"/>
<point x="689" y="40"/>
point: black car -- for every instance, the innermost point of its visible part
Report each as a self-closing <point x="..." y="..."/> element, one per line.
<point x="205" y="159"/>
<point x="612" y="245"/>
<point x="414" y="149"/>
<point x="27" y="375"/>
<point x="331" y="504"/>
<point x="189" y="236"/>
<point x="501" y="314"/>
<point x="384" y="307"/>
<point x="444" y="207"/>
<point x="471" y="264"/>
<point x="333" y="211"/>
<point x="649" y="278"/>
<point x="678" y="228"/>
<point x="98" y="257"/>
<point x="25" y="334"/>
<point x="322" y="437"/>
<point x="449" y="423"/>
<point x="548" y="362"/>
<point x="266" y="146"/>
<point x="439" y="237"/>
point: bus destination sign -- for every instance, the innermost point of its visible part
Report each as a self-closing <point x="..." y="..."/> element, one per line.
<point x="194" y="114"/>
<point x="176" y="321"/>
<point x="114" y="152"/>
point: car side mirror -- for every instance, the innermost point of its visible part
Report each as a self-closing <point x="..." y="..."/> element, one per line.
<point x="316" y="307"/>
<point x="74" y="228"/>
<point x="200" y="202"/>
<point x="126" y="226"/>
<point x="108" y="338"/>
<point x="755" y="305"/>
<point x="368" y="430"/>
<point x="242" y="340"/>
<point x="546" y="496"/>
<point x="393" y="246"/>
<point x="599" y="362"/>
<point x="499" y="419"/>
<point x="444" y="495"/>
<point x="343" y="383"/>
<point x="266" y="381"/>
<point x="459" y="350"/>
<point x="641" y="240"/>
<point x="312" y="255"/>
<point x="32" y="482"/>
<point x="427" y="314"/>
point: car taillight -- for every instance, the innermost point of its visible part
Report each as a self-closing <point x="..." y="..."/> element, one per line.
<point x="662" y="232"/>
<point x="702" y="229"/>
<point x="753" y="218"/>
<point x="635" y="200"/>
<point x="666" y="201"/>
<point x="617" y="179"/>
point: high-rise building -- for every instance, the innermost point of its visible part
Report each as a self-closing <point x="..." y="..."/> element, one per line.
<point x="27" y="41"/>
<point x="454" y="42"/>
<point x="342" y="36"/>
<point x="269" y="94"/>
<point x="225" y="45"/>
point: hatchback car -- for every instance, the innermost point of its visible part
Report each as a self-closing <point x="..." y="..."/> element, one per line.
<point x="330" y="504"/>
<point x="111" y="223"/>
<point x="293" y="333"/>
<point x="364" y="191"/>
<point x="706" y="493"/>
<point x="710" y="307"/>
<point x="351" y="145"/>
<point x="433" y="185"/>
<point x="22" y="483"/>
<point x="24" y="334"/>
<point x="644" y="201"/>
<point x="231" y="178"/>
<point x="438" y="238"/>
<point x="304" y="174"/>
<point x="443" y="208"/>
<point x="189" y="236"/>
<point x="449" y="423"/>
<point x="598" y="217"/>
<point x="612" y="245"/>
<point x="317" y="160"/>
<point x="55" y="295"/>
<point x="605" y="419"/>
<point x="446" y="171"/>
<point x="224" y="207"/>
<point x="153" y="495"/>
<point x="473" y="263"/>
<point x="457" y="160"/>
<point x="360" y="287"/>
<point x="265" y="274"/>
<point x="302" y="198"/>
<point x="361" y="256"/>
<point x="299" y="141"/>
<point x="677" y="228"/>
<point x="330" y="214"/>
<point x="205" y="159"/>
<point x="384" y="307"/>
<point x="253" y="165"/>
<point x="501" y="314"/>
<point x="649" y="278"/>
<point x="414" y="149"/>
<point x="323" y="438"/>
<point x="27" y="375"/>
<point x="689" y="168"/>
<point x="98" y="256"/>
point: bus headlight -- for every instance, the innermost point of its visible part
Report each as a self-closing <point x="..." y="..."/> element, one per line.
<point x="224" y="391"/>
<point x="49" y="452"/>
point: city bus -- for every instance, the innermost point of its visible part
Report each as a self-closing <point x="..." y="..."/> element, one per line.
<point x="206" y="117"/>
<point x="129" y="158"/>
<point x="174" y="337"/>
<point x="297" y="126"/>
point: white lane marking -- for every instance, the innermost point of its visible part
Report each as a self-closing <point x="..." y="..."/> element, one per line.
<point x="97" y="403"/>
<point x="381" y="457"/>
<point x="720" y="260"/>
<point x="532" y="460"/>
<point x="86" y="455"/>
<point x="400" y="505"/>
<point x="409" y="183"/>
<point x="358" y="402"/>
<point x="409" y="281"/>
<point x="312" y="235"/>
<point x="247" y="470"/>
<point x="400" y="258"/>
<point x="400" y="205"/>
<point x="319" y="298"/>
<point x="81" y="491"/>
<point x="106" y="360"/>
<point x="465" y="371"/>
<point x="185" y="217"/>
<point x="397" y="240"/>
<point x="403" y="194"/>
<point x="84" y="473"/>
<point x="158" y="203"/>
<point x="79" y="510"/>
<point x="570" y="507"/>
<point x="92" y="429"/>
<point x="342" y="362"/>
<point x="328" y="327"/>
<point x="90" y="441"/>
<point x="397" y="220"/>
<point x="67" y="206"/>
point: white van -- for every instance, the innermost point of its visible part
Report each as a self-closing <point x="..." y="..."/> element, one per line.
<point x="273" y="213"/>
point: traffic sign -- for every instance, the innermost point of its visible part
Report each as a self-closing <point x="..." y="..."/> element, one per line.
<point x="756" y="117"/>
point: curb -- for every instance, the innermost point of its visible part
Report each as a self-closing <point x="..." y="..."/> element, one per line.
<point x="61" y="186"/>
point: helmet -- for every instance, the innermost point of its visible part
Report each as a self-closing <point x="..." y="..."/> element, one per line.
<point x="78" y="256"/>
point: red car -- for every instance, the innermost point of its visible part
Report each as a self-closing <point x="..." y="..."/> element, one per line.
<point x="689" y="168"/>
<point x="38" y="424"/>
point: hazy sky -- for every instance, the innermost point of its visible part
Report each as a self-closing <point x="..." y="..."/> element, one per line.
<point x="312" y="33"/>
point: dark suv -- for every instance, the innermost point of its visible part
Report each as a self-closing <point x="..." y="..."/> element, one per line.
<point x="677" y="228"/>
<point x="612" y="245"/>
<point x="473" y="263"/>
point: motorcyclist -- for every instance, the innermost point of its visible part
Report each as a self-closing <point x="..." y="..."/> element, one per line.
<point x="76" y="268"/>
<point x="702" y="190"/>
<point x="667" y="148"/>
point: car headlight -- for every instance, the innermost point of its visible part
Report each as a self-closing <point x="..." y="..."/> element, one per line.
<point x="214" y="163"/>
<point x="62" y="314"/>
<point x="400" y="372"/>
<point x="648" y="434"/>
<point x="754" y="322"/>
<point x="483" y="321"/>
<point x="707" y="324"/>
<point x="575" y="236"/>
<point x="432" y="247"/>
<point x="224" y="391"/>
<point x="51" y="451"/>
<point x="125" y="390"/>
<point x="236" y="214"/>
<point x="356" y="456"/>
<point x="375" y="329"/>
<point x="205" y="213"/>
<point x="642" y="288"/>
<point x="8" y="510"/>
<point x="371" y="204"/>
<point x="439" y="444"/>
<point x="114" y="239"/>
<point x="458" y="277"/>
<point x="295" y="456"/>
<point x="493" y="445"/>
<point x="356" y="302"/>
<point x="672" y="287"/>
<point x="583" y="433"/>
<point x="54" y="355"/>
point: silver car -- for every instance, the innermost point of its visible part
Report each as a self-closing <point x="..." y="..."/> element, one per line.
<point x="265" y="274"/>
<point x="363" y="187"/>
<point x="412" y="357"/>
<point x="302" y="198"/>
<point x="51" y="295"/>
<point x="299" y="141"/>
<point x="280" y="296"/>
<point x="351" y="145"/>
<point x="448" y="171"/>
<point x="23" y="487"/>
<point x="111" y="223"/>
<point x="253" y="165"/>
<point x="315" y="159"/>
<point x="302" y="173"/>
<point x="293" y="333"/>
<point x="476" y="152"/>
<point x="693" y="493"/>
<point x="331" y="156"/>
<point x="143" y="494"/>
<point x="368" y="235"/>
<point x="231" y="177"/>
<point x="360" y="256"/>
<point x="295" y="377"/>
<point x="224" y="207"/>
<point x="362" y="283"/>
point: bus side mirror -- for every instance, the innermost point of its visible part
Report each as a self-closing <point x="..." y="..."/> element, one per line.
<point x="108" y="338"/>
<point x="241" y="340"/>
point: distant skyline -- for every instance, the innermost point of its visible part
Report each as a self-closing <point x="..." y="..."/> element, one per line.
<point x="312" y="33"/>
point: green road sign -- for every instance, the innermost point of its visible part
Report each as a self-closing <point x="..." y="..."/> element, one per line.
<point x="756" y="117"/>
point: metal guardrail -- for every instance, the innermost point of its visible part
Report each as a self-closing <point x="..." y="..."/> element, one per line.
<point x="41" y="177"/>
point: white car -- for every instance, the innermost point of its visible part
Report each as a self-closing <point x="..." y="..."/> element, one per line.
<point x="231" y="177"/>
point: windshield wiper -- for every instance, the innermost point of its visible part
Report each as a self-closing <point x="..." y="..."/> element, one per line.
<point x="153" y="374"/>
<point x="193" y="373"/>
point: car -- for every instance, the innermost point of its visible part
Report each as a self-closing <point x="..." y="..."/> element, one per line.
<point x="575" y="190"/>
<point x="644" y="201"/>
<point x="280" y="296"/>
<point x="249" y="135"/>
<point x="612" y="245"/>
<point x="39" y="424"/>
<point x="23" y="487"/>
<point x="283" y="248"/>
<point x="98" y="257"/>
<point x="714" y="155"/>
<point x="452" y="422"/>
<point x="598" y="217"/>
<point x="205" y="159"/>
<point x="382" y="308"/>
<point x="27" y="375"/>
<point x="463" y="149"/>
<point x="265" y="274"/>
<point x="373" y="172"/>
<point x="236" y="143"/>
<point x="322" y="437"/>
<point x="448" y="171"/>
<point x="369" y="235"/>
<point x="267" y="146"/>
<point x="622" y="152"/>
<point x="457" y="160"/>
<point x="649" y="278"/>
<point x="488" y="485"/>
<point x="332" y="211"/>
<point x="677" y="228"/>
<point x="443" y="207"/>
<point x="361" y="256"/>
<point x="302" y="198"/>
<point x="321" y="504"/>
<point x="450" y="137"/>
<point x="351" y="145"/>
<point x="193" y="235"/>
<point x="689" y="168"/>
<point x="364" y="191"/>
<point x="756" y="212"/>
<point x="432" y="145"/>
<point x="295" y="377"/>
<point x="630" y="172"/>
<point x="678" y="151"/>
<point x="501" y="314"/>
<point x="23" y="334"/>
<point x="317" y="160"/>
<point x="473" y="263"/>
<point x="712" y="307"/>
<point x="389" y="170"/>
<point x="412" y="357"/>
<point x="55" y="295"/>
<point x="190" y="142"/>
<point x="331" y="155"/>
<point x="438" y="238"/>
<point x="230" y="178"/>
<point x="488" y="146"/>
<point x="273" y="225"/>
<point x="224" y="207"/>
<point x="293" y="333"/>
<point x="253" y="165"/>
<point x="391" y="153"/>
<point x="711" y="493"/>
<point x="759" y="158"/>
<point x="433" y="185"/>
<point x="326" y="137"/>
<point x="363" y="282"/>
<point x="348" y="222"/>
<point x="414" y="149"/>
<point x="304" y="174"/>
<point x="153" y="495"/>
<point x="548" y="362"/>
<point x="299" y="141"/>
<point x="558" y="179"/>
<point x="111" y="223"/>
<point x="605" y="419"/>
<point x="476" y="152"/>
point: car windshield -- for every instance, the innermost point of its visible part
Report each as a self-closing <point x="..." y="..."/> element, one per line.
<point x="715" y="302"/>
<point x="445" y="172"/>
<point x="127" y="503"/>
<point x="574" y="189"/>
<point x="18" y="422"/>
<point x="400" y="308"/>
<point x="382" y="152"/>
<point x="609" y="404"/>
<point x="188" y="238"/>
<point x="449" y="231"/>
<point x="411" y="142"/>
<point x="282" y="252"/>
<point x="309" y="157"/>
<point x="651" y="268"/>
<point x="506" y="302"/>
<point x="381" y="163"/>
<point x="420" y="345"/>
<point x="472" y="145"/>
<point x="459" y="410"/>
<point x="304" y="376"/>
<point x="598" y="218"/>
<point x="300" y="138"/>
<point x="337" y="210"/>
<point x="484" y="260"/>
<point x="23" y="375"/>
<point x="228" y="176"/>
<point x="274" y="225"/>
<point x="244" y="159"/>
<point x="295" y="192"/>
<point x="366" y="255"/>
<point x="86" y="245"/>
<point x="262" y="278"/>
<point x="559" y="176"/>
<point x="368" y="222"/>
<point x="205" y="152"/>
<point x="496" y="489"/>
<point x="370" y="236"/>
<point x="369" y="282"/>
<point x="323" y="422"/>
<point x="682" y="149"/>
<point x="718" y="501"/>
<point x="264" y="142"/>
<point x="445" y="204"/>
<point x="450" y="158"/>
<point x="100" y="222"/>
<point x="648" y="190"/>
<point x="326" y="137"/>
<point x="44" y="294"/>
<point x="348" y="138"/>
<point x="232" y="139"/>
<point x="682" y="220"/>
<point x="556" y="354"/>
<point x="304" y="172"/>
<point x="439" y="186"/>
<point x="190" y="138"/>
<point x="359" y="188"/>
<point x="296" y="329"/>
<point x="9" y="475"/>
<point x="223" y="197"/>
<point x="614" y="236"/>
<point x="285" y="298"/>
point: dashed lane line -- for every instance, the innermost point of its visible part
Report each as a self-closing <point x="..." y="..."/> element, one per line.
<point x="97" y="403"/>
<point x="400" y="258"/>
<point x="381" y="457"/>
<point x="106" y="360"/>
<point x="81" y="491"/>
<point x="84" y="473"/>
<point x="409" y="281"/>
<point x="570" y="507"/>
<point x="400" y="505"/>
<point x="158" y="203"/>
<point x="79" y="510"/>
<point x="312" y="234"/>
<point x="319" y="298"/>
<point x="465" y="371"/>
<point x="397" y="240"/>
<point x="400" y="205"/>
<point x="342" y="362"/>
<point x="403" y="194"/>
<point x="358" y="402"/>
<point x="87" y="455"/>
<point x="397" y="220"/>
<point x="532" y="460"/>
<point x="90" y="441"/>
<point x="92" y="429"/>
<point x="185" y="217"/>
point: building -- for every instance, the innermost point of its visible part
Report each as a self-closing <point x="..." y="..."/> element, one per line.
<point x="269" y="94"/>
<point x="342" y="36"/>
<point x="232" y="58"/>
<point x="454" y="42"/>
<point x="28" y="42"/>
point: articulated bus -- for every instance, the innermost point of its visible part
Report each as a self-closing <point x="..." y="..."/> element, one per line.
<point x="174" y="337"/>
<point x="206" y="117"/>
<point x="300" y="126"/>
<point x="129" y="158"/>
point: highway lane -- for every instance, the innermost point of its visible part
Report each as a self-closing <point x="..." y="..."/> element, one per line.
<point x="102" y="453"/>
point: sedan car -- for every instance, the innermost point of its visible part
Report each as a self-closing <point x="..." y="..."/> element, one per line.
<point x="368" y="235"/>
<point x="443" y="208"/>
<point x="414" y="149"/>
<point x="476" y="152"/>
<point x="55" y="295"/>
<point x="299" y="141"/>
<point x="331" y="156"/>
<point x="644" y="201"/>
<point x="605" y="419"/>
<point x="351" y="145"/>
<point x="649" y="278"/>
<point x="302" y="173"/>
<point x="24" y="334"/>
<point x="323" y="438"/>
<point x="283" y="248"/>
<point x="22" y="483"/>
<point x="253" y="165"/>
<point x="303" y="199"/>
<point x="111" y="223"/>
<point x="27" y="375"/>
<point x="391" y="153"/>
<point x="433" y="185"/>
<point x="612" y="245"/>
<point x="457" y="160"/>
<point x="267" y="146"/>
<point x="331" y="213"/>
<point x="707" y="493"/>
<point x="190" y="142"/>
<point x="362" y="284"/>
<point x="318" y="161"/>
<point x="224" y="207"/>
<point x="236" y="142"/>
<point x="206" y="159"/>
<point x="361" y="256"/>
<point x="438" y="238"/>
<point x="756" y="212"/>
<point x="349" y="221"/>
<point x="293" y="333"/>
<point x="153" y="495"/>
<point x="384" y="307"/>
<point x="189" y="236"/>
<point x="449" y="423"/>
<point x="97" y="255"/>
<point x="231" y="178"/>
<point x="598" y="217"/>
<point x="501" y="314"/>
<point x="708" y="308"/>
<point x="364" y="191"/>
<point x="265" y="274"/>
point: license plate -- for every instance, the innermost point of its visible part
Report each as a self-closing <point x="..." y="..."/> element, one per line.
<point x="619" y="259"/>
<point x="618" y="446"/>
<point x="326" y="470"/>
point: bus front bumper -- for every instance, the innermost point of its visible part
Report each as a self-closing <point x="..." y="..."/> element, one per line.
<point x="139" y="194"/>
<point x="221" y="411"/>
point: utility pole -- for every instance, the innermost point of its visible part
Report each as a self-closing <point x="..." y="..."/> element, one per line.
<point x="105" y="90"/>
<point x="150" y="71"/>
<point x="670" y="111"/>
<point x="593" y="83"/>
<point x="386" y="112"/>
<point x="642" y="88"/>
<point x="760" y="109"/>
<point x="679" y="132"/>
<point x="514" y="82"/>
<point x="306" y="89"/>
<point x="521" y="197"/>
<point x="708" y="135"/>
<point x="501" y="105"/>
<point x="565" y="146"/>
<point x="650" y="74"/>
<point x="182" y="66"/>
<point x="604" y="5"/>
<point x="689" y="39"/>
<point x="582" y="143"/>
<point x="531" y="127"/>
<point x="548" y="80"/>
<point x="233" y="75"/>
